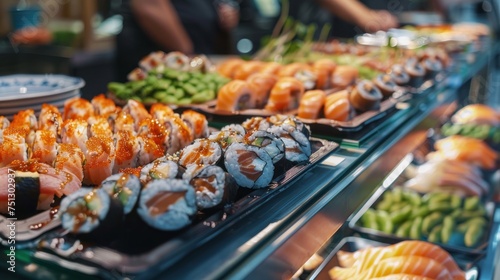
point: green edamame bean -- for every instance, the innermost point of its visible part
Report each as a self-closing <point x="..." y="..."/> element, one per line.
<point x="159" y="95"/>
<point x="199" y="98"/>
<point x="170" y="73"/>
<point x="184" y="101"/>
<point x="481" y="212"/>
<point x="182" y="77"/>
<point x="149" y="100"/>
<point x="438" y="197"/>
<point x="456" y="213"/>
<point x="384" y="205"/>
<point x="440" y="206"/>
<point x="479" y="221"/>
<point x="430" y="221"/>
<point x="401" y="214"/>
<point x="473" y="235"/>
<point x="435" y="234"/>
<point x="416" y="228"/>
<point x="471" y="203"/>
<point x="448" y="227"/>
<point x="421" y="211"/>
<point x="169" y="99"/>
<point x="179" y="93"/>
<point x="455" y="201"/>
<point x="404" y="229"/>
<point x="397" y="206"/>
<point x="369" y="219"/>
<point x="481" y="131"/>
<point x="412" y="198"/>
<point x="384" y="222"/>
<point x="189" y="89"/>
<point x="397" y="195"/>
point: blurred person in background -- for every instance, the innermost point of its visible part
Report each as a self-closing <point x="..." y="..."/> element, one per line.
<point x="188" y="26"/>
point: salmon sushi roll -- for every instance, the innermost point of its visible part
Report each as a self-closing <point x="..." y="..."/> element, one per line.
<point x="154" y="130"/>
<point x="285" y="95"/>
<point x="256" y="123"/>
<point x="197" y="122"/>
<point x="152" y="61"/>
<point x="302" y="72"/>
<point x="77" y="108"/>
<point x="228" y="67"/>
<point x="246" y="69"/>
<point x="160" y="111"/>
<point x="99" y="126"/>
<point x="344" y="76"/>
<point x="99" y="159"/>
<point x="70" y="159"/>
<point x="324" y="68"/>
<point x="4" y="123"/>
<point x="25" y="118"/>
<point x="127" y="150"/>
<point x="177" y="60"/>
<point x="201" y="152"/>
<point x="75" y="131"/>
<point x="148" y="151"/>
<point x="137" y="75"/>
<point x="160" y="168"/>
<point x="235" y="96"/>
<point x="125" y="187"/>
<point x="137" y="111"/>
<point x="180" y="134"/>
<point x="103" y="106"/>
<point x="44" y="147"/>
<point x="14" y="147"/>
<point x="121" y="121"/>
<point x="311" y="104"/>
<point x="50" y="119"/>
<point x="262" y="84"/>
<point x="337" y="106"/>
<point x="365" y="96"/>
<point x="272" y="68"/>
<point x="167" y="204"/>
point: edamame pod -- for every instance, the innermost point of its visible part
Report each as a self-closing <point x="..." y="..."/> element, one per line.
<point x="473" y="235"/>
<point x="435" y="234"/>
<point x="404" y="229"/>
<point x="416" y="228"/>
<point x="455" y="201"/>
<point x="401" y="215"/>
<point x="384" y="222"/>
<point x="430" y="221"/>
<point x="471" y="203"/>
<point x="369" y="219"/>
<point x="421" y="211"/>
<point x="448" y="227"/>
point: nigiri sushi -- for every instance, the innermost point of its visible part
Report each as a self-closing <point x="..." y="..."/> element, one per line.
<point x="228" y="67"/>
<point x="337" y="106"/>
<point x="262" y="84"/>
<point x="324" y="68"/>
<point x="343" y="76"/>
<point x="246" y="69"/>
<point x="477" y="114"/>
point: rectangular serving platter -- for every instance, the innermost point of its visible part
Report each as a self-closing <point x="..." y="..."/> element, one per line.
<point x="138" y="247"/>
<point x="354" y="243"/>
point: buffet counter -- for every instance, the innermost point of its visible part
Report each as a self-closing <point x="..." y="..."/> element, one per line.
<point x="280" y="229"/>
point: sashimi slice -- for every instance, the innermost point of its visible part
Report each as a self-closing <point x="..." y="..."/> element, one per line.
<point x="415" y="265"/>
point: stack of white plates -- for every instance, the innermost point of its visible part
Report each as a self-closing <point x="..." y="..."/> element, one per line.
<point x="21" y="92"/>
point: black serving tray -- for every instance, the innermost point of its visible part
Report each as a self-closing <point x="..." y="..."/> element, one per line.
<point x="354" y="243"/>
<point x="138" y="247"/>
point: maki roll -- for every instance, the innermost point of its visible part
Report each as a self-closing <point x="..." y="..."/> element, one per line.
<point x="272" y="144"/>
<point x="311" y="104"/>
<point x="297" y="145"/>
<point x="226" y="138"/>
<point x="399" y="75"/>
<point x="167" y="204"/>
<point x="213" y="187"/>
<point x="160" y="168"/>
<point x="256" y="123"/>
<point x="235" y="96"/>
<point x="197" y="122"/>
<point x="416" y="72"/>
<point x="125" y="188"/>
<point x="91" y="211"/>
<point x="365" y="96"/>
<point x="251" y="166"/>
<point x="386" y="84"/>
<point x="127" y="149"/>
<point x="432" y="67"/>
<point x="180" y="135"/>
<point x="294" y="122"/>
<point x="202" y="151"/>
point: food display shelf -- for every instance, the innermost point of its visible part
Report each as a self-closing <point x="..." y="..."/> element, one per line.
<point x="312" y="215"/>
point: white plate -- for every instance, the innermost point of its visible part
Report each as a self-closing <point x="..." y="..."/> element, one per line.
<point x="6" y="105"/>
<point x="17" y="87"/>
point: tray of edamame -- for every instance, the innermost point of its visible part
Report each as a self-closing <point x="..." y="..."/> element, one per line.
<point x="459" y="225"/>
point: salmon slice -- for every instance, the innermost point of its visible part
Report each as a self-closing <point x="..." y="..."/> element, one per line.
<point x="311" y="104"/>
<point x="285" y="95"/>
<point x="234" y="96"/>
<point x="337" y="106"/>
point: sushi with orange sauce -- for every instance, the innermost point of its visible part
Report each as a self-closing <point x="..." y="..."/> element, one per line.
<point x="337" y="106"/>
<point x="262" y="84"/>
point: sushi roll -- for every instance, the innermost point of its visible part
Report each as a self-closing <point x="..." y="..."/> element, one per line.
<point x="246" y="69"/>
<point x="252" y="167"/>
<point x="99" y="126"/>
<point x="262" y="84"/>
<point x="25" y="117"/>
<point x="91" y="212"/>
<point x="160" y="168"/>
<point x="167" y="204"/>
<point x="160" y="111"/>
<point x="365" y="96"/>
<point x="201" y="152"/>
<point x="44" y="147"/>
<point x="235" y="96"/>
<point x="99" y="160"/>
<point x="279" y="120"/>
<point x="70" y="159"/>
<point x="75" y="132"/>
<point x="180" y="134"/>
<point x="226" y="137"/>
<point x="125" y="187"/>
<point x="201" y="63"/>
<point x="344" y="76"/>
<point x="77" y="108"/>
<point x="416" y="72"/>
<point x="432" y="67"/>
<point x="338" y="107"/>
<point x="324" y="68"/>
<point x="297" y="145"/>
<point x="399" y="75"/>
<point x="152" y="61"/>
<point x="127" y="149"/>
<point x="256" y="123"/>
<point x="121" y="121"/>
<point x="103" y="106"/>
<point x="154" y="130"/>
<point x="285" y="95"/>
<point x="176" y="60"/>
<point x="137" y="111"/>
<point x="213" y="187"/>
<point x="148" y="151"/>
<point x="14" y="147"/>
<point x="311" y="104"/>
<point x="137" y="74"/>
<point x="50" y="119"/>
<point x="385" y="84"/>
<point x="272" y="144"/>
<point x="272" y="68"/>
<point x="197" y="122"/>
<point x="236" y="128"/>
<point x="4" y="123"/>
<point x="228" y="67"/>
